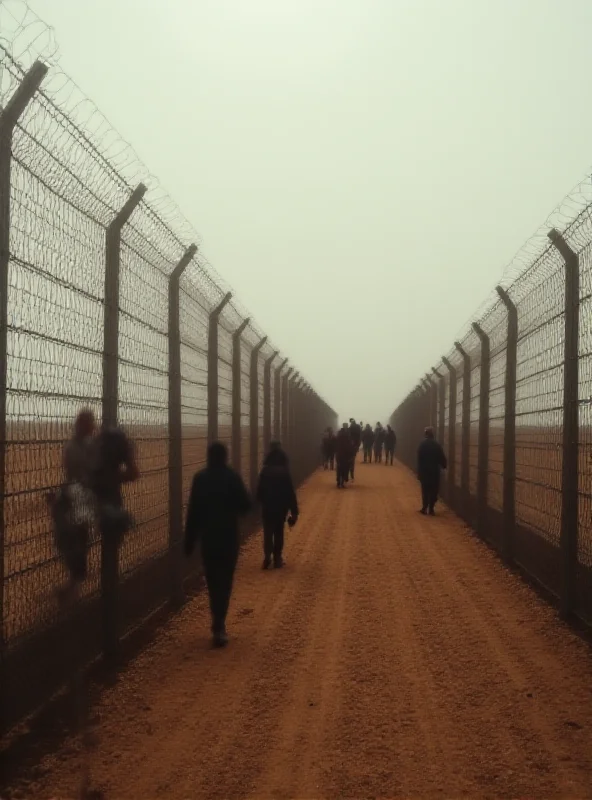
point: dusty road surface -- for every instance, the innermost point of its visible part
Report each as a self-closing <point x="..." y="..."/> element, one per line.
<point x="394" y="656"/>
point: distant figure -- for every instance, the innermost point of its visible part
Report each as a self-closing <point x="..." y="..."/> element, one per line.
<point x="355" y="433"/>
<point x="368" y="441"/>
<point x="218" y="498"/>
<point x="328" y="449"/>
<point x="344" y="452"/>
<point x="430" y="461"/>
<point x="72" y="506"/>
<point x="390" y="442"/>
<point x="378" y="443"/>
<point x="275" y="493"/>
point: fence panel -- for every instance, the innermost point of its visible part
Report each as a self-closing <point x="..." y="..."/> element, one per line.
<point x="62" y="196"/>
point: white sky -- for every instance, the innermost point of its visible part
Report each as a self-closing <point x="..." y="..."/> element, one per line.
<point x="360" y="171"/>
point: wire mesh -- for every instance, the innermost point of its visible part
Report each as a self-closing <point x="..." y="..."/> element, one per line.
<point x="68" y="175"/>
<point x="539" y="398"/>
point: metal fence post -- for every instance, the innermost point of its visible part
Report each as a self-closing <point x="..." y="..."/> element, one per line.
<point x="483" y="458"/>
<point x="451" y="432"/>
<point x="213" y="368"/>
<point x="236" y="440"/>
<point x="509" y="499"/>
<point x="109" y="547"/>
<point x="277" y="403"/>
<point x="9" y="116"/>
<point x="176" y="430"/>
<point x="466" y="429"/>
<point x="433" y="402"/>
<point x="254" y="413"/>
<point x="267" y="401"/>
<point x="285" y="408"/>
<point x="569" y="474"/>
<point x="441" y="404"/>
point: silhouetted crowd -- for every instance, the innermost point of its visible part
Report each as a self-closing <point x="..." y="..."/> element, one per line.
<point x="98" y="463"/>
<point x="340" y="450"/>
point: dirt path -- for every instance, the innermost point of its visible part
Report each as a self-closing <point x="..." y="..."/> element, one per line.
<point x="394" y="656"/>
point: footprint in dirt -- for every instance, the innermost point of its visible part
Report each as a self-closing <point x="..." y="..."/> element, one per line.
<point x="245" y="612"/>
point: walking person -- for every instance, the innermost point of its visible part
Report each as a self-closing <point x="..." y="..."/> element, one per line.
<point x="430" y="462"/>
<point x="367" y="442"/>
<point x="355" y="433"/>
<point x="378" y="443"/>
<point x="276" y="494"/>
<point x="343" y="455"/>
<point x="328" y="449"/>
<point x="218" y="498"/>
<point x="390" y="442"/>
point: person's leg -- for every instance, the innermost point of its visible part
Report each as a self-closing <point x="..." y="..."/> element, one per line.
<point x="278" y="543"/>
<point x="212" y="585"/>
<point x="433" y="497"/>
<point x="267" y="543"/>
<point x="219" y="576"/>
<point x="425" y="501"/>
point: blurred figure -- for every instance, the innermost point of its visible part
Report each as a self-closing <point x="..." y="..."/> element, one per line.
<point x="368" y="441"/>
<point x="114" y="466"/>
<point x="390" y="442"/>
<point x="218" y="498"/>
<point x="430" y="461"/>
<point x="344" y="452"/>
<point x="72" y="506"/>
<point x="328" y="448"/>
<point x="378" y="443"/>
<point x="355" y="433"/>
<point x="275" y="493"/>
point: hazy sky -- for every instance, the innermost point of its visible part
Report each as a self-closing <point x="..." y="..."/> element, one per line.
<point x="361" y="171"/>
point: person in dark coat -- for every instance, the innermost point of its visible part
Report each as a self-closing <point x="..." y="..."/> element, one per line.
<point x="328" y="448"/>
<point x="276" y="494"/>
<point x="430" y="461"/>
<point x="367" y="442"/>
<point x="378" y="443"/>
<point x="355" y="433"/>
<point x="344" y="451"/>
<point x="390" y="442"/>
<point x="218" y="498"/>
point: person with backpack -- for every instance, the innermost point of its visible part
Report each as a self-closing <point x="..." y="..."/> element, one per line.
<point x="277" y="497"/>
<point x="217" y="499"/>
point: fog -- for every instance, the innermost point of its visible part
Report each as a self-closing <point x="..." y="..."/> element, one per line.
<point x="361" y="171"/>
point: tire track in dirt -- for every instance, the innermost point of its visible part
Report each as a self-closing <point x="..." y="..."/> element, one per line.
<point x="394" y="656"/>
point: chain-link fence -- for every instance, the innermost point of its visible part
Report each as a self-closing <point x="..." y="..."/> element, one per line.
<point x="107" y="303"/>
<point x="518" y="386"/>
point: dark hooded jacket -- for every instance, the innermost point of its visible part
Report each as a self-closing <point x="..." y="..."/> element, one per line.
<point x="275" y="490"/>
<point x="430" y="460"/>
<point x="218" y="498"/>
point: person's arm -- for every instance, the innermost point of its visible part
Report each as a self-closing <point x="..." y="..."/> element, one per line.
<point x="242" y="500"/>
<point x="192" y="523"/>
<point x="130" y="472"/>
<point x="292" y="498"/>
<point x="259" y="492"/>
<point x="443" y="460"/>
